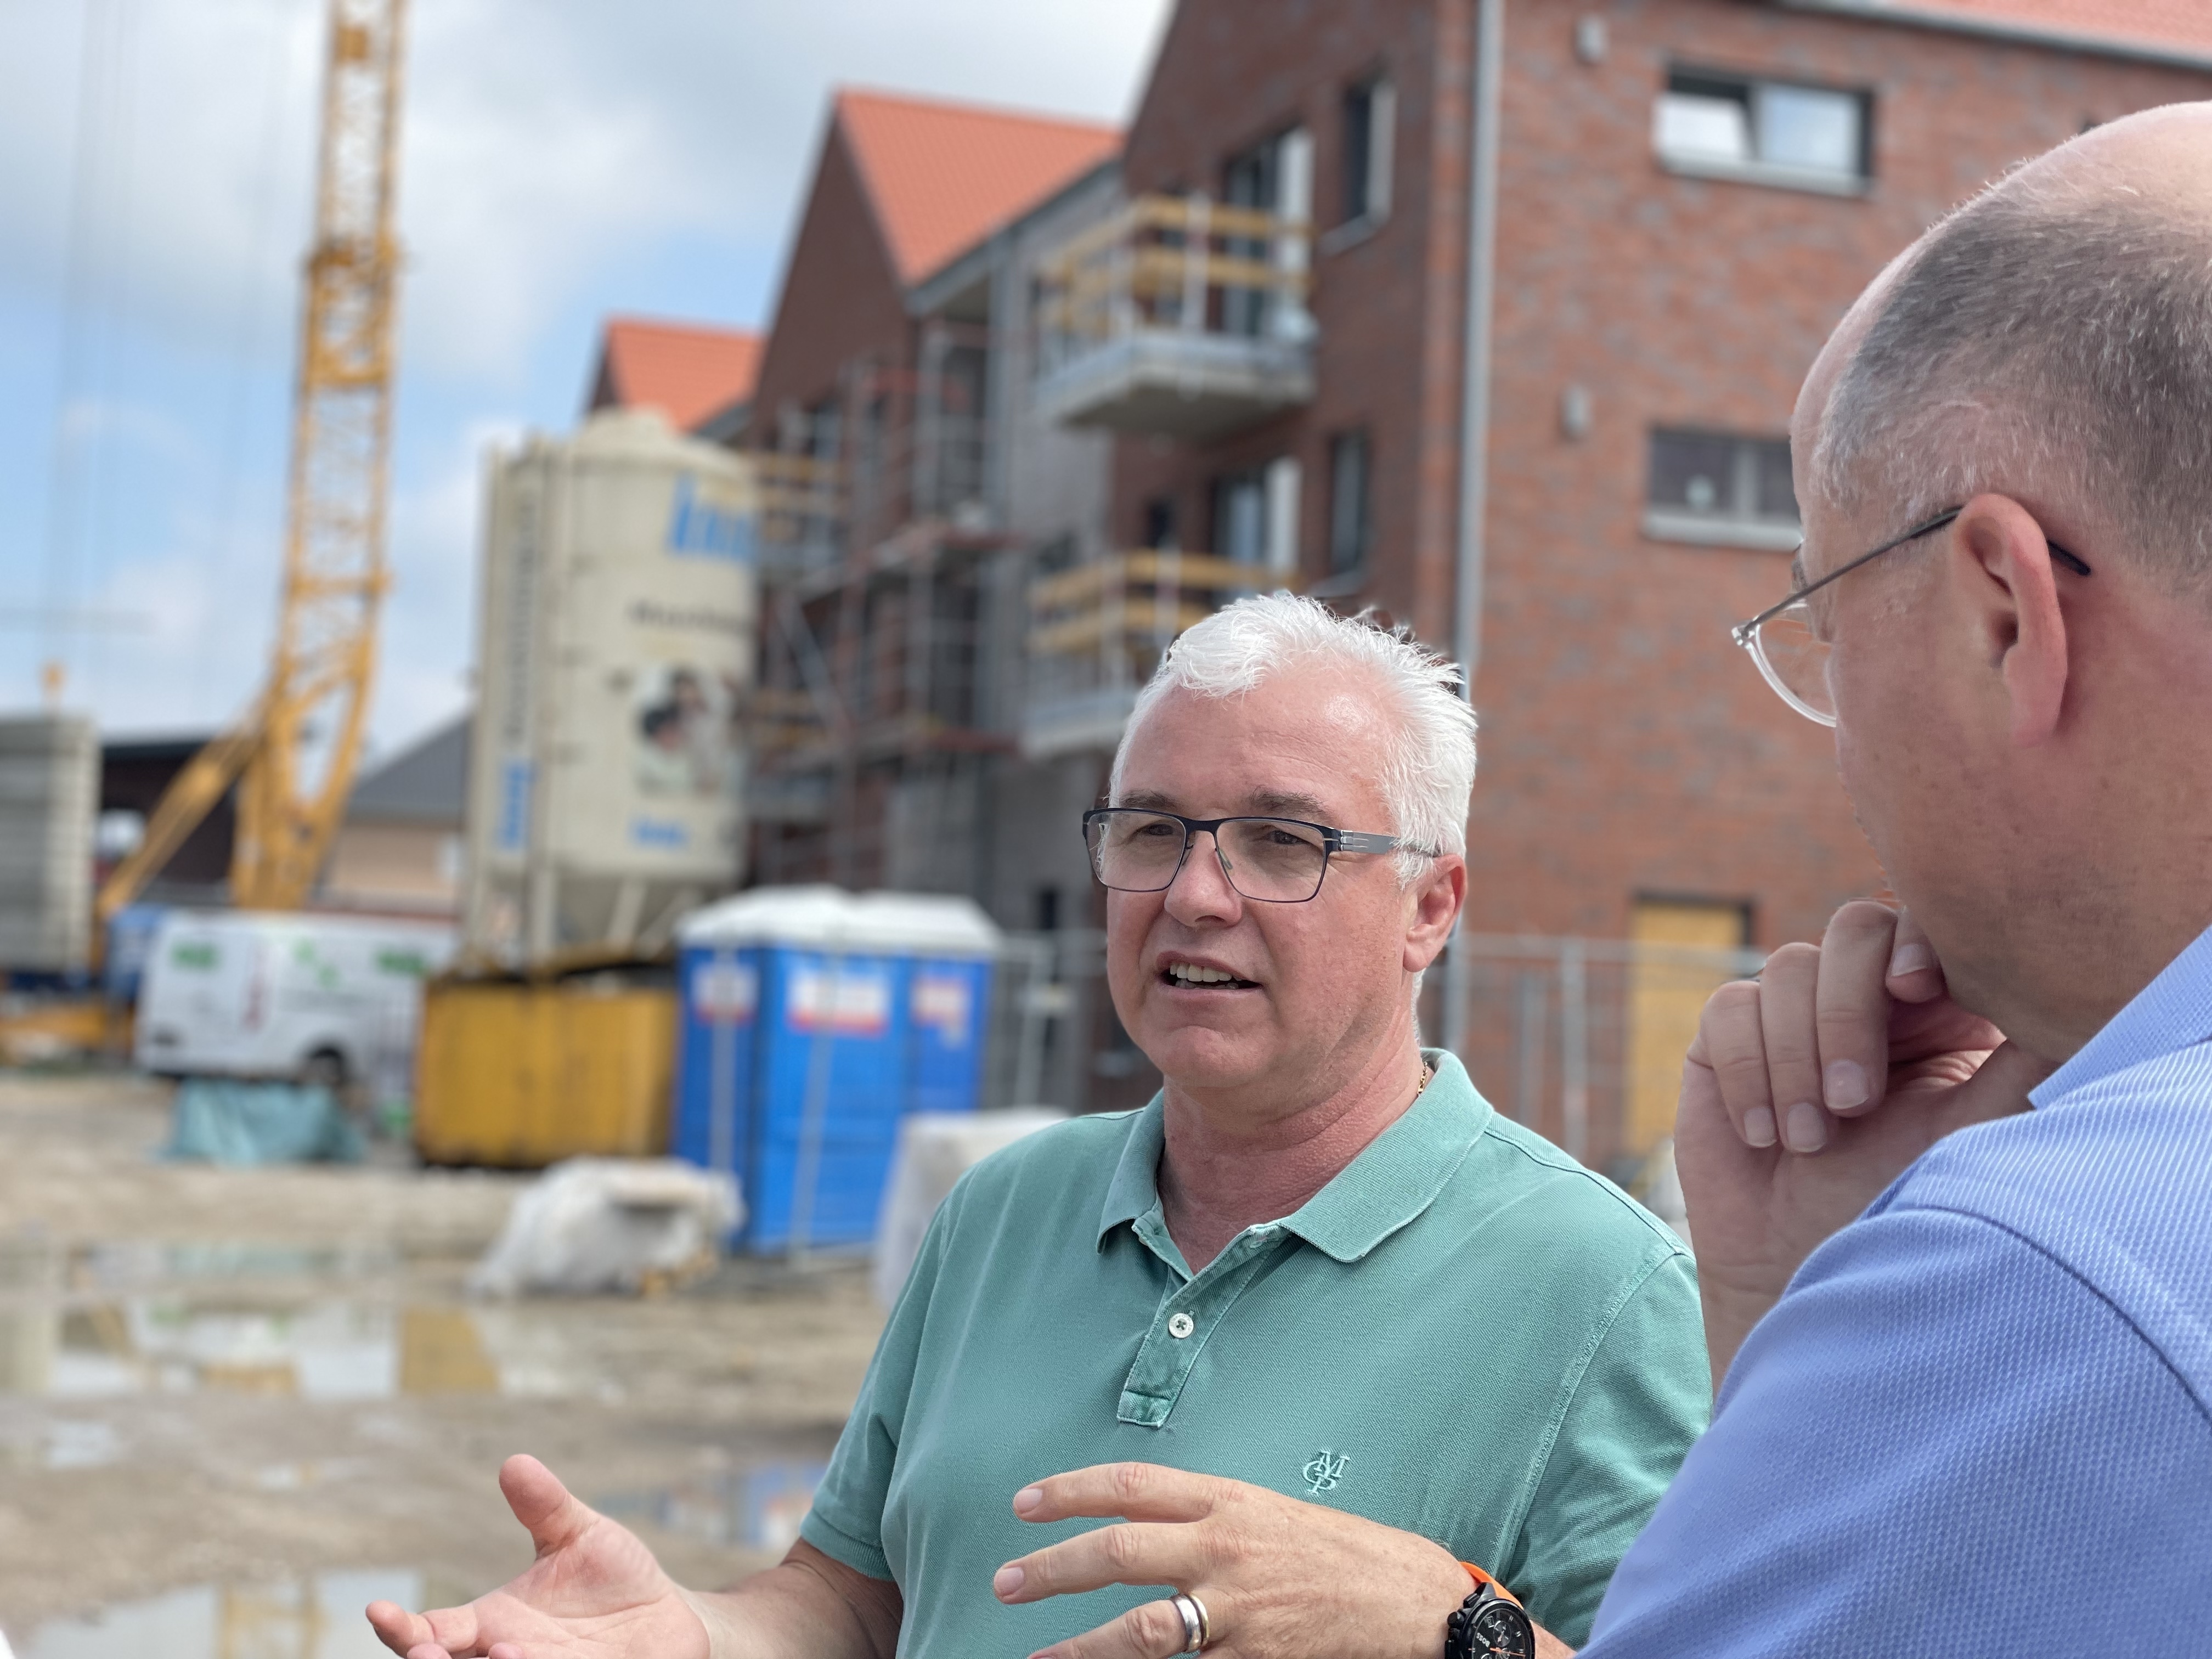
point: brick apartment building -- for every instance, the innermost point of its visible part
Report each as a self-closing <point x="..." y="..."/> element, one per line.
<point x="1268" y="310"/>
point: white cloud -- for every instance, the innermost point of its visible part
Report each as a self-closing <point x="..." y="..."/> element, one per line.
<point x="561" y="159"/>
<point x="428" y="635"/>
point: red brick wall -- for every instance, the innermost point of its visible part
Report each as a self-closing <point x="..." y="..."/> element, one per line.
<point x="1629" y="748"/>
<point x="842" y="298"/>
<point x="1231" y="73"/>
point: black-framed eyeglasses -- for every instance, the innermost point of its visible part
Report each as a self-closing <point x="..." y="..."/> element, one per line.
<point x="1792" y="654"/>
<point x="1134" y="849"/>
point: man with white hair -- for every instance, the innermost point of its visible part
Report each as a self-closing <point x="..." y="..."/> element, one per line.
<point x="1317" y="1261"/>
<point x="1950" y="1172"/>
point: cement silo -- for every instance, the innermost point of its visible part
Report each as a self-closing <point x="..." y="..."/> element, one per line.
<point x="616" y="645"/>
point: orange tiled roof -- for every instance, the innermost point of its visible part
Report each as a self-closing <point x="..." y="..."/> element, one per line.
<point x="943" y="176"/>
<point x="685" y="371"/>
<point x="2186" y="25"/>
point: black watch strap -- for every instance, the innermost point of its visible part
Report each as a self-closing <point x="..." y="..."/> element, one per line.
<point x="1490" y="1624"/>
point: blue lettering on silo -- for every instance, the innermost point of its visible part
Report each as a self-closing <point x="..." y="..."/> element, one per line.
<point x="698" y="529"/>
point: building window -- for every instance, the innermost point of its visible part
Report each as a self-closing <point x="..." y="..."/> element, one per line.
<point x="1771" y="132"/>
<point x="1350" y="501"/>
<point x="1160" y="523"/>
<point x="1721" y="489"/>
<point x="1240" y="517"/>
<point x="1370" y="117"/>
<point x="1255" y="516"/>
<point x="1275" y="177"/>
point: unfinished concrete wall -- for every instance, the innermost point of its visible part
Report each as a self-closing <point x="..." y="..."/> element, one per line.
<point x="48" y="798"/>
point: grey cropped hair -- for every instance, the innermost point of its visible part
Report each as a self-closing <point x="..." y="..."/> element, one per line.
<point x="2050" y="337"/>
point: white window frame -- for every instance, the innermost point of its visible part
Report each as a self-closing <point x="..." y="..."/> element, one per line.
<point x="1750" y="170"/>
<point x="1381" y="135"/>
<point x="1730" y="527"/>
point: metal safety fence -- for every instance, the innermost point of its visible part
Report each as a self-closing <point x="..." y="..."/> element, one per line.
<point x="1583" y="1039"/>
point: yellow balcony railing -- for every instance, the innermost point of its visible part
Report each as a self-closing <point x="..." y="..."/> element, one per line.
<point x="1098" y="631"/>
<point x="802" y="503"/>
<point x="1175" y="262"/>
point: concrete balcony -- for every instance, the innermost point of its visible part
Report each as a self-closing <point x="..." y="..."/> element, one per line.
<point x="1097" y="632"/>
<point x="1179" y="318"/>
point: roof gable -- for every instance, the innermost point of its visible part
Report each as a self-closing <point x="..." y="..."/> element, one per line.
<point x="941" y="177"/>
<point x="425" y="783"/>
<point x="688" y="371"/>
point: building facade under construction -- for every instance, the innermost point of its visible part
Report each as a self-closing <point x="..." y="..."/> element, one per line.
<point x="1487" y="316"/>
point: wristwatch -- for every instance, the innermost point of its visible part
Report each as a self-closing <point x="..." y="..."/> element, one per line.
<point x="1490" y="1622"/>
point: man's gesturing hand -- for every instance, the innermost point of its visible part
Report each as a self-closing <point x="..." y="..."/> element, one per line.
<point x="1279" y="1579"/>
<point x="595" y="1592"/>
<point x="1808" y="1091"/>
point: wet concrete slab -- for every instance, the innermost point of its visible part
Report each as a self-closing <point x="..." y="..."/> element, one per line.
<point x="221" y="1392"/>
<point x="315" y="1617"/>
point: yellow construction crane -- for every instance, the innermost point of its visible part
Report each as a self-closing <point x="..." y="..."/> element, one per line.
<point x="292" y="756"/>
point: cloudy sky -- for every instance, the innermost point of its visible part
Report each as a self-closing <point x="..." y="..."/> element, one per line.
<point x="563" y="159"/>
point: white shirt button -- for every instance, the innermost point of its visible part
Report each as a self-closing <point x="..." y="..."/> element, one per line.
<point x="1181" y="1325"/>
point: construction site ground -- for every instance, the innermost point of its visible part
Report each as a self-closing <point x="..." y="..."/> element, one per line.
<point x="244" y="1399"/>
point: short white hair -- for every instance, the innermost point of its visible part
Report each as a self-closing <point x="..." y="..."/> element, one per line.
<point x="1428" y="772"/>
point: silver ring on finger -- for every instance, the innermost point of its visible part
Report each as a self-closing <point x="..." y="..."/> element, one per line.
<point x="1197" y="1628"/>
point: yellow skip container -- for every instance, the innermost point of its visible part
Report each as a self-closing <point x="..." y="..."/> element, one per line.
<point x="519" y="1074"/>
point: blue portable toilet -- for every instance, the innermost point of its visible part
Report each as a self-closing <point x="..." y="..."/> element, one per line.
<point x="813" y="1021"/>
<point x="130" y="941"/>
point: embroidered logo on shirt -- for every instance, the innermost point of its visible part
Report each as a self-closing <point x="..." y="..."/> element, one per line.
<point x="1323" y="1470"/>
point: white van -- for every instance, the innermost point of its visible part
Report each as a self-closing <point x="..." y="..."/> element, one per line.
<point x="322" y="999"/>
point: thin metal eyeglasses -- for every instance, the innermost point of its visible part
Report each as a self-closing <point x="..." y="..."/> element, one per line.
<point x="1791" y="655"/>
<point x="1273" y="861"/>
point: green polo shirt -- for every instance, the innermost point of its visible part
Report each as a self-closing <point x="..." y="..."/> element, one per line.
<point x="1465" y="1334"/>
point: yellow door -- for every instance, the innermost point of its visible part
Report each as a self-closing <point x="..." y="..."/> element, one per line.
<point x="1667" y="984"/>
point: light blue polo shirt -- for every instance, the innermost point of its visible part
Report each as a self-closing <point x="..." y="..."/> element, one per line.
<point x="1465" y="1334"/>
<point x="1979" y="1422"/>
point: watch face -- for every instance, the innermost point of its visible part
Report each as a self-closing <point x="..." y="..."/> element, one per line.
<point x="1504" y="1630"/>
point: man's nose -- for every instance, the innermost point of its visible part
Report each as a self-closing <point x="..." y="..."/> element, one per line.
<point x="1201" y="888"/>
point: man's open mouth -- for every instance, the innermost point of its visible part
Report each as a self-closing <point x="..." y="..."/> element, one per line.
<point x="1188" y="976"/>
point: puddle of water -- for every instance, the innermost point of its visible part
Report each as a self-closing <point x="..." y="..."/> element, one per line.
<point x="139" y="1266"/>
<point x="74" y="1445"/>
<point x="111" y="1321"/>
<point x="319" y="1351"/>
<point x="317" y="1617"/>
<point x="759" y="1506"/>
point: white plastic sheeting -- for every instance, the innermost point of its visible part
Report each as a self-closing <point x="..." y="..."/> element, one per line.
<point x="610" y="1224"/>
<point x="935" y="1149"/>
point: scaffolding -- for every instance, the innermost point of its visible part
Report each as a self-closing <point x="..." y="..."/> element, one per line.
<point x="876" y="698"/>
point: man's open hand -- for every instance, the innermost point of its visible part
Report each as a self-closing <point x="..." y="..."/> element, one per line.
<point x="1279" y="1579"/>
<point x="1808" y="1090"/>
<point x="595" y="1592"/>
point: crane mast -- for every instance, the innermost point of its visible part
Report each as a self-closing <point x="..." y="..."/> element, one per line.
<point x="294" y="753"/>
<point x="291" y="798"/>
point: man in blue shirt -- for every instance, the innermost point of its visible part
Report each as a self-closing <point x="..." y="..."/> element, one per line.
<point x="1949" y="1174"/>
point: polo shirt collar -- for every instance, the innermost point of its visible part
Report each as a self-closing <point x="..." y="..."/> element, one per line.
<point x="1393" y="1179"/>
<point x="2174" y="1011"/>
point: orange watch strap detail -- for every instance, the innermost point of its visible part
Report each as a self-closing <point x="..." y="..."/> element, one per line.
<point x="1481" y="1577"/>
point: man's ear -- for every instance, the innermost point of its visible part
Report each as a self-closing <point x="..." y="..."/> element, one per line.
<point x="1437" y="893"/>
<point x="2002" y="560"/>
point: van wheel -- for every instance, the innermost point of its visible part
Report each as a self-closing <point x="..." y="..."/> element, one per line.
<point x="324" y="1069"/>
